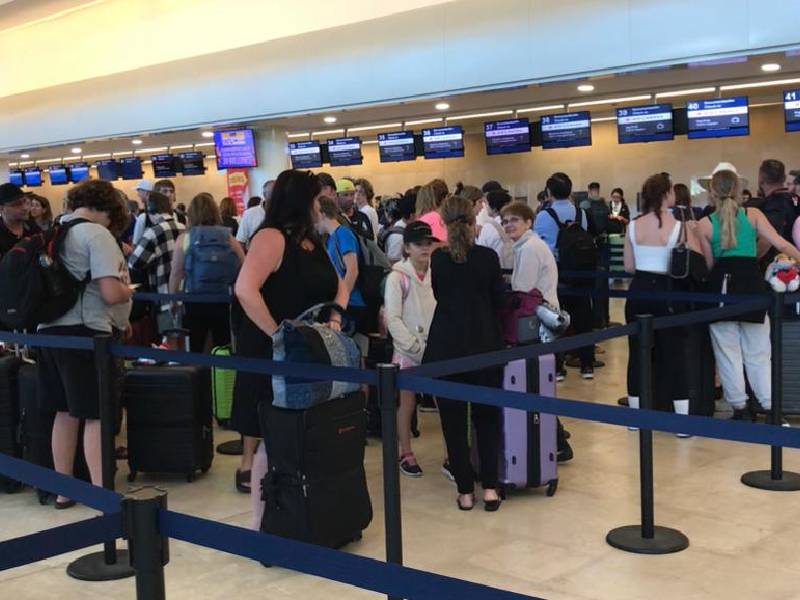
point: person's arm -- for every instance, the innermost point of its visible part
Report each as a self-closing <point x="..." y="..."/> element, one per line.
<point x="107" y="266"/>
<point x="523" y="277"/>
<point x="243" y="233"/>
<point x="138" y="228"/>
<point x="394" y="247"/>
<point x="402" y="338"/>
<point x="266" y="253"/>
<point x="796" y="232"/>
<point x="767" y="232"/>
<point x="235" y="246"/>
<point x="351" y="271"/>
<point x="625" y="213"/>
<point x="696" y="240"/>
<point x="144" y="251"/>
<point x="176" y="270"/>
<point x="346" y="245"/>
<point x="113" y="291"/>
<point x="628" y="259"/>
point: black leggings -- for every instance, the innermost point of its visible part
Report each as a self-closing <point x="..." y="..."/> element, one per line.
<point x="580" y="312"/>
<point x="200" y="319"/>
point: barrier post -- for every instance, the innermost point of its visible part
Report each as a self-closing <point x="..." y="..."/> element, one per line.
<point x="646" y="538"/>
<point x="776" y="479"/>
<point x="387" y="399"/>
<point x="149" y="550"/>
<point x="111" y="564"/>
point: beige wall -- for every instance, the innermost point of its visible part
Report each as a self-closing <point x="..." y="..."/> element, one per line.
<point x="606" y="161"/>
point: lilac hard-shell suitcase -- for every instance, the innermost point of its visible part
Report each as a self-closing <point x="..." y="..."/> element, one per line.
<point x="528" y="449"/>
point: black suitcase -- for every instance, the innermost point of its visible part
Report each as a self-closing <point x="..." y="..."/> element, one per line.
<point x="9" y="415"/>
<point x="316" y="488"/>
<point x="791" y="367"/>
<point x="169" y="420"/>
<point x="36" y="429"/>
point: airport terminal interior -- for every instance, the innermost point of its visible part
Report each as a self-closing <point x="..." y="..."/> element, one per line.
<point x="221" y="97"/>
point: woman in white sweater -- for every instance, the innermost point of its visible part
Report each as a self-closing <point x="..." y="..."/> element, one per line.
<point x="409" y="305"/>
<point x="534" y="265"/>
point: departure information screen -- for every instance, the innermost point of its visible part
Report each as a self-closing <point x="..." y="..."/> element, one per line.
<point x="305" y="155"/>
<point x="443" y="142"/>
<point x="791" y="109"/>
<point x="506" y="137"/>
<point x="78" y="172"/>
<point x="565" y="130"/>
<point x="396" y="146"/>
<point x="107" y="170"/>
<point x="644" y="123"/>
<point x="163" y="165"/>
<point x="33" y="176"/>
<point x="131" y="167"/>
<point x="345" y="151"/>
<point x="58" y="174"/>
<point x="721" y="117"/>
<point x="235" y="149"/>
<point x="192" y="163"/>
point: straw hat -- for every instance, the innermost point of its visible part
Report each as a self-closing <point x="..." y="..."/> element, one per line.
<point x="705" y="181"/>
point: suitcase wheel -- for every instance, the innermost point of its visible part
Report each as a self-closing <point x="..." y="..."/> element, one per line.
<point x="132" y="476"/>
<point x="552" y="486"/>
<point x="190" y="477"/>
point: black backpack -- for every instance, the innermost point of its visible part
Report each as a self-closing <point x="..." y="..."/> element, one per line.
<point x="386" y="233"/>
<point x="37" y="287"/>
<point x="598" y="217"/>
<point x="576" y="248"/>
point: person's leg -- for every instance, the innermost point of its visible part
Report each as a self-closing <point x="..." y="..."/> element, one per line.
<point x="249" y="446"/>
<point x="408" y="405"/>
<point x="725" y="338"/>
<point x="93" y="450"/>
<point x="487" y="428"/>
<point x="198" y="327"/>
<point x="220" y="325"/>
<point x="453" y="415"/>
<point x="583" y="311"/>
<point x="257" y="473"/>
<point x="65" y="442"/>
<point x="757" y="355"/>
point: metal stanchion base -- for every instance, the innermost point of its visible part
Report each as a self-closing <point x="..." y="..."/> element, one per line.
<point x="93" y="567"/>
<point x="665" y="540"/>
<point x="232" y="448"/>
<point x="790" y="482"/>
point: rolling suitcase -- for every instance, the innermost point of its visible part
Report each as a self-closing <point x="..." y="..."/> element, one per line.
<point x="316" y="489"/>
<point x="791" y="366"/>
<point x="222" y="381"/>
<point x="9" y="415"/>
<point x="528" y="441"/>
<point x="36" y="428"/>
<point x="169" y="420"/>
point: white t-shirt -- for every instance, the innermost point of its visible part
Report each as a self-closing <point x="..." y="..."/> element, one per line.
<point x="90" y="248"/>
<point x="251" y="220"/>
<point x="483" y="216"/>
<point x="490" y="237"/>
<point x="372" y="215"/>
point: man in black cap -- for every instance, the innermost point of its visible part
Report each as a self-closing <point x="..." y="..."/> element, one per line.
<point x="15" y="208"/>
<point x="493" y="186"/>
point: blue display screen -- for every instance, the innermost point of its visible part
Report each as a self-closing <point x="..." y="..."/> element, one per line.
<point x="644" y="123"/>
<point x="107" y="170"/>
<point x="506" y="137"/>
<point x="192" y="163"/>
<point x="15" y="176"/>
<point x="443" y="142"/>
<point x="721" y="117"/>
<point x="131" y="168"/>
<point x="33" y="176"/>
<point x="78" y="172"/>
<point x="163" y="165"/>
<point x="345" y="151"/>
<point x="396" y="146"/>
<point x="58" y="174"/>
<point x="791" y="109"/>
<point x="565" y="130"/>
<point x="235" y="149"/>
<point x="305" y="155"/>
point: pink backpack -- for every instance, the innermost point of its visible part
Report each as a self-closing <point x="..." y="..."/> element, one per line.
<point x="518" y="317"/>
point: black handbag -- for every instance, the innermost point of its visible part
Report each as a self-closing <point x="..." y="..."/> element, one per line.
<point x="683" y="261"/>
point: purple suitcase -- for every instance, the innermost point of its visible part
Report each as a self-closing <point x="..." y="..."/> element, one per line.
<point x="528" y="449"/>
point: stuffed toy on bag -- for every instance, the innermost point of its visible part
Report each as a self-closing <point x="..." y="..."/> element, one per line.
<point x="783" y="275"/>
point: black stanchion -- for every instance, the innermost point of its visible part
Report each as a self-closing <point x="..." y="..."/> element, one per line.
<point x="776" y="479"/>
<point x="149" y="550"/>
<point x="110" y="564"/>
<point x="387" y="398"/>
<point x="646" y="538"/>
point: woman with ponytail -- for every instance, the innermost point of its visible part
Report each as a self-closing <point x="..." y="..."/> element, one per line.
<point x="468" y="287"/>
<point x="742" y="344"/>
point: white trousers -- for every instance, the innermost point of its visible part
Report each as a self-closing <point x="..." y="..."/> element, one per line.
<point x="740" y="347"/>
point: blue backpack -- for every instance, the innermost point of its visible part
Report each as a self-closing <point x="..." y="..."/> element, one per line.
<point x="210" y="263"/>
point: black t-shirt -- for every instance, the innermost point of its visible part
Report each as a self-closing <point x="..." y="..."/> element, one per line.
<point x="779" y="208"/>
<point x="8" y="239"/>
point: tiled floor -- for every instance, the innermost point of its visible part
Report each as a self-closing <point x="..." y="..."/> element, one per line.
<point x="743" y="541"/>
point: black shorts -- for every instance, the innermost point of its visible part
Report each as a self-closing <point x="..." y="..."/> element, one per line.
<point x="68" y="378"/>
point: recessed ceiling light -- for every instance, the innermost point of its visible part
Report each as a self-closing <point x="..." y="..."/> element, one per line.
<point x="136" y="142"/>
<point x="24" y="155"/>
<point x="330" y="119"/>
<point x="770" y="67"/>
<point x="76" y="150"/>
<point x="586" y="87"/>
<point x="442" y="106"/>
<point x="207" y="134"/>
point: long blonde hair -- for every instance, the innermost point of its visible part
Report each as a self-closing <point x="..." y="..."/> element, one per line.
<point x="725" y="196"/>
<point x="426" y="200"/>
<point x="459" y="218"/>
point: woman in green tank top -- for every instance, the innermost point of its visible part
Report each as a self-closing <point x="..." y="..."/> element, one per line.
<point x="742" y="344"/>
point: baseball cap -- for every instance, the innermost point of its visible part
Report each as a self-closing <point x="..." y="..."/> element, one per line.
<point x="417" y="232"/>
<point x="10" y="192"/>
<point x="344" y="185"/>
<point x="145" y="185"/>
<point x="493" y="186"/>
<point x="795" y="175"/>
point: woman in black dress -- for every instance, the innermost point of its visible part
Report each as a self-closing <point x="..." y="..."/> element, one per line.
<point x="468" y="286"/>
<point x="286" y="271"/>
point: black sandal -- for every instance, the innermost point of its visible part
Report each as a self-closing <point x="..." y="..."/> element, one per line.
<point x="243" y="481"/>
